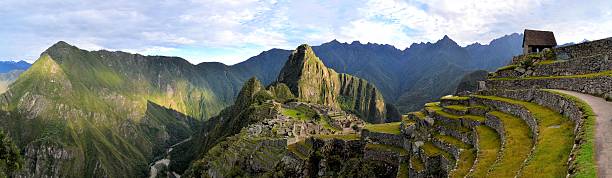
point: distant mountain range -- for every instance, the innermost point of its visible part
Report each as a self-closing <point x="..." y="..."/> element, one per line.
<point x="407" y="78"/>
<point x="7" y="66"/>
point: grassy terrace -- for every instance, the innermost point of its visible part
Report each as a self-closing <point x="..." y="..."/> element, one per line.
<point x="555" y="141"/>
<point x="432" y="104"/>
<point x="300" y="112"/>
<point x="438" y="110"/>
<point x="508" y="67"/>
<point x="450" y="97"/>
<point x="591" y="75"/>
<point x="453" y="141"/>
<point x="464" y="163"/>
<point x="432" y="150"/>
<point x="489" y="145"/>
<point x="517" y="145"/>
<point x="585" y="158"/>
<point x="460" y="129"/>
<point x="388" y="128"/>
<point x="457" y="107"/>
<point x="294" y="148"/>
<point x="339" y="137"/>
<point x="417" y="164"/>
<point x="418" y="114"/>
<point x="382" y="147"/>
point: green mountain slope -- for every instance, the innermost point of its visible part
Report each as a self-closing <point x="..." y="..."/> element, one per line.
<point x="78" y="113"/>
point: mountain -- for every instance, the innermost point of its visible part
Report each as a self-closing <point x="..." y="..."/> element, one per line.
<point x="78" y="113"/>
<point x="311" y="81"/>
<point x="303" y="79"/>
<point x="7" y="66"/>
<point x="7" y="78"/>
<point x="407" y="78"/>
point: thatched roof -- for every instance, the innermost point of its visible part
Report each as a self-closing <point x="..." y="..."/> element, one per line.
<point x="535" y="37"/>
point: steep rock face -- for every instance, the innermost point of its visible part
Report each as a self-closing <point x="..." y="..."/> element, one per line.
<point x="311" y="81"/>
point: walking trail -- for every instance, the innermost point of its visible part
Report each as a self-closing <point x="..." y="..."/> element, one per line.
<point x="603" y="131"/>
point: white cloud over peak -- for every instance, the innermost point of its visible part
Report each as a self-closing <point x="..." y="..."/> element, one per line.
<point x="232" y="31"/>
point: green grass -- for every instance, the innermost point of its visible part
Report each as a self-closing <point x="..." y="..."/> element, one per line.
<point x="432" y="150"/>
<point x="389" y="128"/>
<point x="390" y="148"/>
<point x="432" y="104"/>
<point x="489" y="146"/>
<point x="451" y="97"/>
<point x="586" y="166"/>
<point x="555" y="141"/>
<point x="418" y="114"/>
<point x="339" y="137"/>
<point x="294" y="148"/>
<point x="453" y="141"/>
<point x="508" y="67"/>
<point x="517" y="145"/>
<point x="545" y="62"/>
<point x="416" y="163"/>
<point x="590" y="75"/>
<point x="438" y="110"/>
<point x="300" y="113"/>
<point x="464" y="163"/>
<point x="457" y="107"/>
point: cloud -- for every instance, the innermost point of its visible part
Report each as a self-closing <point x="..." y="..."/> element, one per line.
<point x="232" y="31"/>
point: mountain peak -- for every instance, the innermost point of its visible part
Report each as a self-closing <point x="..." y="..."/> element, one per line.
<point x="446" y="41"/>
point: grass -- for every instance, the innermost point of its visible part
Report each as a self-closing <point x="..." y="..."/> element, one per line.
<point x="418" y="114"/>
<point x="555" y="141"/>
<point x="517" y="146"/>
<point x="489" y="145"/>
<point x="417" y="164"/>
<point x="451" y="97"/>
<point x="432" y="150"/>
<point x="464" y="163"/>
<point x="432" y="104"/>
<point x="382" y="147"/>
<point x="585" y="158"/>
<point x="339" y="137"/>
<point x="457" y="107"/>
<point x="590" y="75"/>
<point x="300" y="113"/>
<point x="545" y="62"/>
<point x="438" y="110"/>
<point x="508" y="67"/>
<point x="453" y="141"/>
<point x="388" y="128"/>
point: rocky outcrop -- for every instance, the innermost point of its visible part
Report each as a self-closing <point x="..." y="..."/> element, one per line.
<point x="311" y="81"/>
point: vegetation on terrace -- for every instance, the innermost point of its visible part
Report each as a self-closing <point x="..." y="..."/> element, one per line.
<point x="554" y="142"/>
<point x="438" y="110"/>
<point x="390" y="148"/>
<point x="388" y="128"/>
<point x="517" y="145"/>
<point x="585" y="157"/>
<point x="489" y="145"/>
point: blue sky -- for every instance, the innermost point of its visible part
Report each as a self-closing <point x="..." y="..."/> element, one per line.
<point x="233" y="31"/>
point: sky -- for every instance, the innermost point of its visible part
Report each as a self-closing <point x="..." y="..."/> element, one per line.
<point x="232" y="31"/>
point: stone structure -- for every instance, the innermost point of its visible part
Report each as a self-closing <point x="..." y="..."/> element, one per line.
<point x="536" y="41"/>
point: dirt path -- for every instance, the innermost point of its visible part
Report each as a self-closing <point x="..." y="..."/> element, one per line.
<point x="603" y="131"/>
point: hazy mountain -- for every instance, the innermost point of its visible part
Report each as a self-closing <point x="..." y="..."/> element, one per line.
<point x="7" y="66"/>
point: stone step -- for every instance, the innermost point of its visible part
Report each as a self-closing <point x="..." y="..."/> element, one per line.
<point x="436" y="159"/>
<point x="440" y="115"/>
<point x="301" y="149"/>
<point x="488" y="148"/>
<point x="388" y="153"/>
<point x="464" y="153"/>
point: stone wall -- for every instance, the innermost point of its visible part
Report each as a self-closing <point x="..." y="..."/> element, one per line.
<point x="603" y="46"/>
<point x="598" y="86"/>
<point x="446" y="147"/>
<point x="383" y="138"/>
<point x="575" y="66"/>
